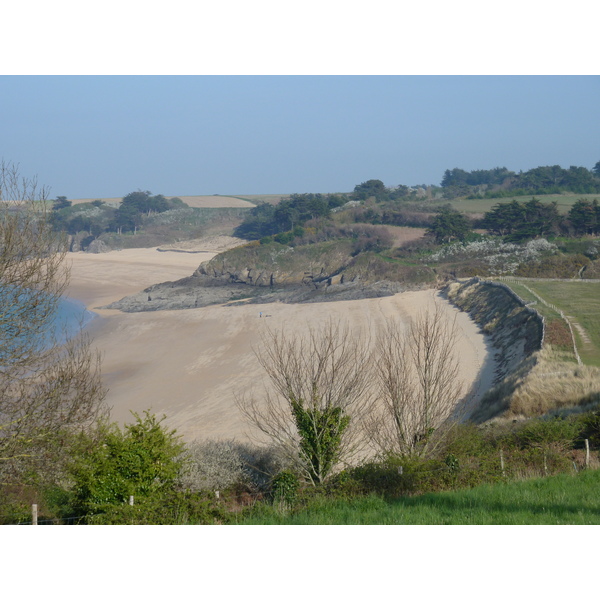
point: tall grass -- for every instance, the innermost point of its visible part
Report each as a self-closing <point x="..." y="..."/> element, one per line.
<point x="548" y="381"/>
<point x="557" y="500"/>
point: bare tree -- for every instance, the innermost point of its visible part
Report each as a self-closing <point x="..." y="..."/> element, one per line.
<point x="32" y="271"/>
<point x="45" y="387"/>
<point x="418" y="382"/>
<point x="321" y="387"/>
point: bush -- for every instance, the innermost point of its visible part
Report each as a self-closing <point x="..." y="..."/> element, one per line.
<point x="174" y="508"/>
<point x="561" y="266"/>
<point x="212" y="465"/>
<point x="142" y="461"/>
<point x="221" y="465"/>
<point x="285" y="487"/>
<point x="542" y="432"/>
<point x="590" y="428"/>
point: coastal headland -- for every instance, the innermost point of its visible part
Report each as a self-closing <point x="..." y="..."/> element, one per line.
<point x="191" y="364"/>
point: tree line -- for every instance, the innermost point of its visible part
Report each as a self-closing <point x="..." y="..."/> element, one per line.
<point x="519" y="221"/>
<point x="500" y="182"/>
<point x="267" y="219"/>
<point x="128" y="217"/>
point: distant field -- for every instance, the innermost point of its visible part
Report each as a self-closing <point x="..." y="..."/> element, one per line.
<point x="268" y="198"/>
<point x="113" y="201"/>
<point x="216" y="202"/>
<point x="564" y="202"/>
<point x="401" y="235"/>
<point x="191" y="201"/>
<point x="580" y="300"/>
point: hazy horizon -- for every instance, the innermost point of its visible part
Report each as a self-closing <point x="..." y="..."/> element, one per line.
<point x="105" y="136"/>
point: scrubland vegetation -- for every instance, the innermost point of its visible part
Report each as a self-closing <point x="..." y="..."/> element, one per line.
<point x="514" y="473"/>
<point x="140" y="220"/>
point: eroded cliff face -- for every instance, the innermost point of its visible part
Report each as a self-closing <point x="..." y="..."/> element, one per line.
<point x="516" y="330"/>
<point x="226" y="274"/>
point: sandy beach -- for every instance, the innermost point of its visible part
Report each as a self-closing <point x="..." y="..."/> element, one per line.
<point x="191" y="364"/>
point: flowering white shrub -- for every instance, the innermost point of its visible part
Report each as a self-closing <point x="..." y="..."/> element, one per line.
<point x="592" y="249"/>
<point x="169" y="217"/>
<point x="503" y="258"/>
<point x="91" y="212"/>
<point x="213" y="465"/>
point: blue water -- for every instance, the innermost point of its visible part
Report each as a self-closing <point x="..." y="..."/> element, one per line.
<point x="71" y="317"/>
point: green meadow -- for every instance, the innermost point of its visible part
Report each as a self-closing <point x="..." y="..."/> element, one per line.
<point x="577" y="299"/>
<point x="557" y="500"/>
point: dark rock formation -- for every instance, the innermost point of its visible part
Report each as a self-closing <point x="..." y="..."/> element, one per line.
<point x="248" y="286"/>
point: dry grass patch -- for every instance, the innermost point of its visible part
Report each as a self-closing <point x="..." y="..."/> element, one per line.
<point x="216" y="202"/>
<point x="547" y="381"/>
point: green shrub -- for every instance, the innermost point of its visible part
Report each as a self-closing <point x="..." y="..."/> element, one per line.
<point x="173" y="508"/>
<point x="285" y="487"/>
<point x="542" y="432"/>
<point x="141" y="461"/>
<point x="590" y="428"/>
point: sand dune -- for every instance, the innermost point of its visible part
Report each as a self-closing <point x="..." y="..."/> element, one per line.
<point x="190" y="364"/>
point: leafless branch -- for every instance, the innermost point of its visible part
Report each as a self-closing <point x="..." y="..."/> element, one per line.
<point x="419" y="384"/>
<point x="44" y="387"/>
<point x="325" y="372"/>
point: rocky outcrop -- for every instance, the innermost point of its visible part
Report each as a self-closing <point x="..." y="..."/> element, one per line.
<point x="251" y="276"/>
<point x="78" y="242"/>
<point x="203" y="289"/>
<point x="97" y="247"/>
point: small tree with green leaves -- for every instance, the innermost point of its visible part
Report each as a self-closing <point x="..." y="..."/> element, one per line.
<point x="321" y="432"/>
<point x="61" y="202"/>
<point x="449" y="225"/>
<point x="141" y="461"/>
<point x="322" y="384"/>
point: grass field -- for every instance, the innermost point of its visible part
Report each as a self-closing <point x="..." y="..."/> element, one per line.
<point x="266" y="198"/>
<point x="564" y="202"/>
<point x="577" y="299"/>
<point x="556" y="500"/>
<point x="206" y="201"/>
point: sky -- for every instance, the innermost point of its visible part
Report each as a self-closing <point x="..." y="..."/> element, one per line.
<point x="98" y="136"/>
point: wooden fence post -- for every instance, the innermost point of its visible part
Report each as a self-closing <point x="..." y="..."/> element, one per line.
<point x="502" y="463"/>
<point x="587" y="454"/>
<point x="34" y="514"/>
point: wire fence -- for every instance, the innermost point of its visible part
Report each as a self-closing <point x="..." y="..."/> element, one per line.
<point x="555" y="309"/>
<point x="507" y="465"/>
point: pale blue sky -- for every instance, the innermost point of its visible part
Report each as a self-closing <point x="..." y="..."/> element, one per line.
<point x="103" y="136"/>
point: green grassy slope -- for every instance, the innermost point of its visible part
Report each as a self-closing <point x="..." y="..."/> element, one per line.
<point x="557" y="500"/>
